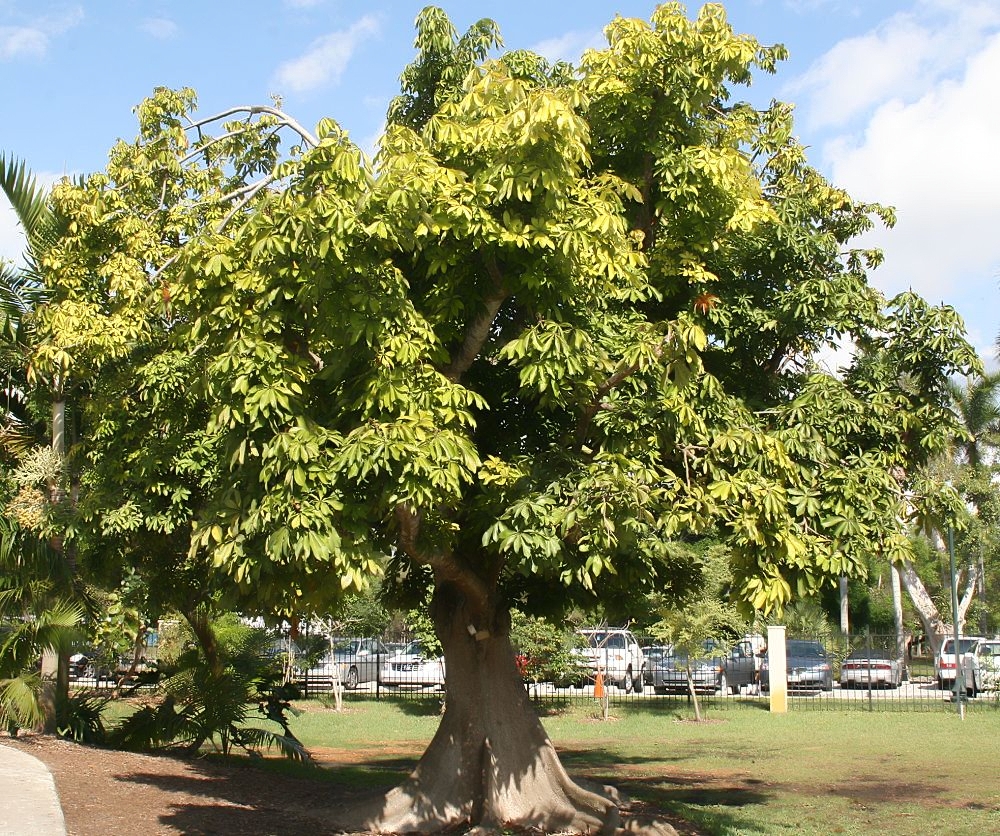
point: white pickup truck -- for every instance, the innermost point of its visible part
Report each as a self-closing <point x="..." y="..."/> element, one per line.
<point x="616" y="654"/>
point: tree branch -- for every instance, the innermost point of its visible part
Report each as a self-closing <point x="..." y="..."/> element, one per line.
<point x="247" y="192"/>
<point x="445" y="565"/>
<point x="253" y="110"/>
<point x="622" y="374"/>
<point x="479" y="329"/>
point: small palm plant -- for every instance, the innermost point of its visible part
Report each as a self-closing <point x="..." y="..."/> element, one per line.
<point x="219" y="691"/>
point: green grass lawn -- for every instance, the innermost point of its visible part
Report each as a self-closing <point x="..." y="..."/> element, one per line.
<point x="743" y="771"/>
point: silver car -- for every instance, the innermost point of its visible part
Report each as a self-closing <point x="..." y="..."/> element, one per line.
<point x="352" y="662"/>
<point x="807" y="667"/>
<point x="712" y="672"/>
<point x="871" y="667"/>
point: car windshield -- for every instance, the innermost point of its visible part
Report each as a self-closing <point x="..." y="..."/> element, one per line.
<point x="966" y="645"/>
<point x="347" y="647"/>
<point x="413" y="649"/>
<point x="601" y="638"/>
<point x="805" y="650"/>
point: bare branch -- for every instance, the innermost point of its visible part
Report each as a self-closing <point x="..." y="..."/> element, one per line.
<point x="253" y="110"/>
<point x="248" y="192"/>
<point x="201" y="149"/>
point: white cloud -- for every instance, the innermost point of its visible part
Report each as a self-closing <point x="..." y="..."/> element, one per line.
<point x="935" y="160"/>
<point x="569" y="47"/>
<point x="326" y="58"/>
<point x="900" y="58"/>
<point x="303" y="4"/>
<point x="908" y="115"/>
<point x="159" y="27"/>
<point x="22" y="42"/>
<point x="33" y="41"/>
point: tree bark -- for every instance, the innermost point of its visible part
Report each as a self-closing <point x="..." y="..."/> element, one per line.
<point x="845" y="624"/>
<point x="895" y="582"/>
<point x="491" y="763"/>
<point x="934" y="627"/>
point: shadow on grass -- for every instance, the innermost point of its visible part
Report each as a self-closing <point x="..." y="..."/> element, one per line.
<point x="230" y="796"/>
<point x="282" y="797"/>
<point x="415" y="704"/>
<point x="710" y="803"/>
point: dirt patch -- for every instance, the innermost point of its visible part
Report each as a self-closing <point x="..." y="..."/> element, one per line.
<point x="104" y="791"/>
<point x="869" y="790"/>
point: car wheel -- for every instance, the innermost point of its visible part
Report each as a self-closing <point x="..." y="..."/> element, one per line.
<point x="639" y="681"/>
<point x="659" y="689"/>
<point x="352" y="679"/>
<point x="723" y="684"/>
<point x="626" y="683"/>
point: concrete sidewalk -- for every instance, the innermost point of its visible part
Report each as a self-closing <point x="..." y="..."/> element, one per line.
<point x="29" y="804"/>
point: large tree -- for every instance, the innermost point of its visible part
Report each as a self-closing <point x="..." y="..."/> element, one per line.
<point x="562" y="322"/>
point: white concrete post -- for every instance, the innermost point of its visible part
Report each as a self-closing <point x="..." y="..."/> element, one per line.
<point x="777" y="673"/>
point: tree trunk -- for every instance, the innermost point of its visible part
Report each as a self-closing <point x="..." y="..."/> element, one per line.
<point x="895" y="582"/>
<point x="693" y="691"/>
<point x="971" y="582"/>
<point x="491" y="763"/>
<point x="934" y="627"/>
<point x="55" y="689"/>
<point x="845" y="624"/>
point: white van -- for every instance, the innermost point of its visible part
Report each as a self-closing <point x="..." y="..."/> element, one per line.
<point x="616" y="654"/>
<point x="945" y="663"/>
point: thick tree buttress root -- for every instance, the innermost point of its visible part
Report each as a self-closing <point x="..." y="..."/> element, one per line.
<point x="490" y="764"/>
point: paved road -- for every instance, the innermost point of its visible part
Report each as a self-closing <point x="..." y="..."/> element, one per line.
<point x="29" y="804"/>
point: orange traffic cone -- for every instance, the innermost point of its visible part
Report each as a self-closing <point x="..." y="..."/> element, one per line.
<point x="599" y="687"/>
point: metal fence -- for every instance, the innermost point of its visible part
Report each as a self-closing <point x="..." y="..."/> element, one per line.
<point x="866" y="673"/>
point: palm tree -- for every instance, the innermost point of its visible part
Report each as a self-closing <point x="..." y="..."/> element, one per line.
<point x="978" y="405"/>
<point x="21" y="290"/>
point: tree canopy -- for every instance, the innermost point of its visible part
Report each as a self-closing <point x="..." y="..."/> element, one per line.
<point x="562" y="321"/>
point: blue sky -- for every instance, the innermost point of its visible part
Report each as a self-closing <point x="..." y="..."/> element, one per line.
<point x="898" y="100"/>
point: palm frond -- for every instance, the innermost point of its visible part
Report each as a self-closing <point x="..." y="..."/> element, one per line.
<point x="20" y="702"/>
<point x="28" y="199"/>
<point x="255" y="739"/>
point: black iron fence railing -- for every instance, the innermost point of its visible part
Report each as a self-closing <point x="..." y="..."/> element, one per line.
<point x="866" y="672"/>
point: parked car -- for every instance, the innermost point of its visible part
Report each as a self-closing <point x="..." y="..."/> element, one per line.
<point x="351" y="662"/>
<point x="412" y="668"/>
<point x="944" y="663"/>
<point x="80" y="666"/>
<point x="616" y="654"/>
<point x="807" y="667"/>
<point x="871" y="667"/>
<point x="982" y="668"/>
<point x="654" y="655"/>
<point x="713" y="672"/>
